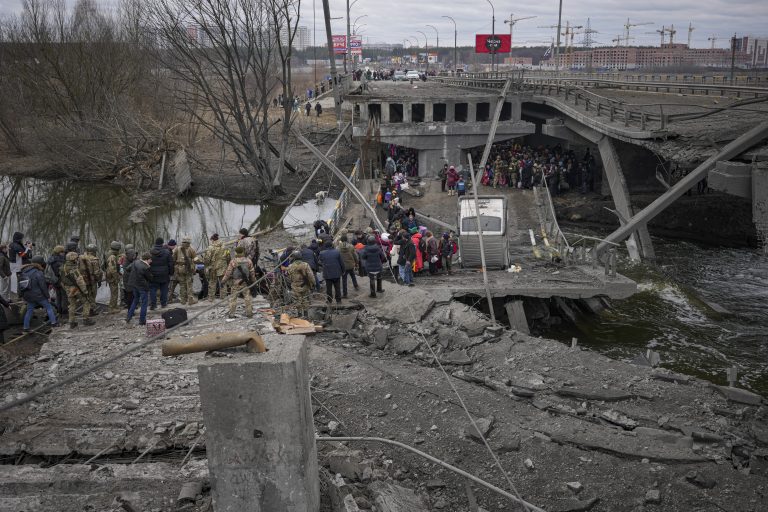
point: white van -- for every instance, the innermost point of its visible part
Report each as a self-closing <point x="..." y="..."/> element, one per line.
<point x="493" y="218"/>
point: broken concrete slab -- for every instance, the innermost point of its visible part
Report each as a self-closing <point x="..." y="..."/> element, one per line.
<point x="381" y="338"/>
<point x="671" y="377"/>
<point x="516" y="316"/>
<point x="404" y="344"/>
<point x="618" y="419"/>
<point x="394" y="498"/>
<point x="643" y="443"/>
<point x="452" y="337"/>
<point x="411" y="306"/>
<point x="457" y="357"/>
<point x="739" y="395"/>
<point x="344" y="321"/>
<point x="600" y="394"/>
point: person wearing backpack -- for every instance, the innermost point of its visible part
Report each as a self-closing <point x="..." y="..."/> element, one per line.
<point x="34" y="290"/>
<point x="242" y="273"/>
<point x="184" y="269"/>
<point x="74" y="284"/>
<point x="53" y="277"/>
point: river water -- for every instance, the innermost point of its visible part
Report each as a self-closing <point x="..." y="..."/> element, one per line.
<point x="670" y="314"/>
<point x="50" y="212"/>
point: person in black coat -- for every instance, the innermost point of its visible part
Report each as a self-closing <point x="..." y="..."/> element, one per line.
<point x="140" y="283"/>
<point x="333" y="269"/>
<point x="161" y="268"/>
<point x="34" y="290"/>
<point x="372" y="257"/>
<point x="310" y="255"/>
<point x="19" y="252"/>
<point x="56" y="261"/>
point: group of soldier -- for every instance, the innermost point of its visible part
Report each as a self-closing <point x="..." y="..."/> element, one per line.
<point x="74" y="276"/>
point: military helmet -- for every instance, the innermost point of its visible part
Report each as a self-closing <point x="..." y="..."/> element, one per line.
<point x="239" y="249"/>
<point x="186" y="240"/>
<point x="90" y="248"/>
<point x="296" y="255"/>
<point x="38" y="260"/>
<point x="72" y="256"/>
<point x="115" y="246"/>
<point x="371" y="239"/>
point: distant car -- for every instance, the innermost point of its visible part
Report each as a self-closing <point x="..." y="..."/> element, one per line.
<point x="399" y="75"/>
<point x="413" y="75"/>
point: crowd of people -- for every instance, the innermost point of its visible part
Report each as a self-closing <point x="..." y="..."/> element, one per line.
<point x="511" y="164"/>
<point x="65" y="284"/>
<point x="67" y="281"/>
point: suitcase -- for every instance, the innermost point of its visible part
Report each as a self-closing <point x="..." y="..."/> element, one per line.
<point x="174" y="317"/>
<point x="155" y="327"/>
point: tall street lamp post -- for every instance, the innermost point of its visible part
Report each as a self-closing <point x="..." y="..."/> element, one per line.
<point x="426" y="48"/>
<point x="437" y="46"/>
<point x="455" y="35"/>
<point x="493" y="32"/>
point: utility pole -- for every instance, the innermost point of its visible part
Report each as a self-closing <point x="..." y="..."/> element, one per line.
<point x="557" y="45"/>
<point x="426" y="49"/>
<point x="347" y="55"/>
<point x="493" y="32"/>
<point x="437" y="46"/>
<point x="733" y="55"/>
<point x="455" y="47"/>
<point x="332" y="56"/>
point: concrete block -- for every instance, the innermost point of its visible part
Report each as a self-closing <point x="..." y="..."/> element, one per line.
<point x="516" y="315"/>
<point x="733" y="178"/>
<point x="260" y="436"/>
<point x="741" y="396"/>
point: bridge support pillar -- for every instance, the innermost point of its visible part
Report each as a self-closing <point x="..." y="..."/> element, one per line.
<point x="639" y="243"/>
<point x="432" y="160"/>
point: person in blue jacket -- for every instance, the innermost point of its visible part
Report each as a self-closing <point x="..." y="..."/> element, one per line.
<point x="34" y="290"/>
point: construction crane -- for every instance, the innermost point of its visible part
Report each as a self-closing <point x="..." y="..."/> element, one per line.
<point x="512" y="22"/>
<point x="691" y="28"/>
<point x="619" y="39"/>
<point x="671" y="31"/>
<point x="662" y="32"/>
<point x="629" y="25"/>
<point x="713" y="38"/>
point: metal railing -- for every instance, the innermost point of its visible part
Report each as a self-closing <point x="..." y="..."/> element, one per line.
<point x="689" y="78"/>
<point x="572" y="91"/>
<point x="554" y="238"/>
<point x="344" y="199"/>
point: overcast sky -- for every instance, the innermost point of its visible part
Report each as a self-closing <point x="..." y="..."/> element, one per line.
<point x="394" y="20"/>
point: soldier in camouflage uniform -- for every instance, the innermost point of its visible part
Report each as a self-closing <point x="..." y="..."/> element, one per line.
<point x="113" y="275"/>
<point x="76" y="289"/>
<point x="216" y="260"/>
<point x="243" y="275"/>
<point x="90" y="269"/>
<point x="302" y="283"/>
<point x="184" y="269"/>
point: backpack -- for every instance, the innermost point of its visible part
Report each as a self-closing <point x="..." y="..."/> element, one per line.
<point x="50" y="275"/>
<point x="24" y="285"/>
<point x="241" y="272"/>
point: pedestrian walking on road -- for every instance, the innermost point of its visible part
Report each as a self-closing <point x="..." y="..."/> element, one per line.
<point x="140" y="282"/>
<point x="34" y="291"/>
<point x="333" y="269"/>
<point x="373" y="257"/>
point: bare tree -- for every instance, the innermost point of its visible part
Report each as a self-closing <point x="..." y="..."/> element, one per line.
<point x="78" y="86"/>
<point x="285" y="16"/>
<point x="220" y="55"/>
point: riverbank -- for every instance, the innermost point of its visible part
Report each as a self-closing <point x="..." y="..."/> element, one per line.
<point x="574" y="430"/>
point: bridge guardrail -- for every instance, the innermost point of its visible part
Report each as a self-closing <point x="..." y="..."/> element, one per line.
<point x="572" y="90"/>
<point x="343" y="201"/>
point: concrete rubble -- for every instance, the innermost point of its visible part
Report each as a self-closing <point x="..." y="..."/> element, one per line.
<point x="573" y="430"/>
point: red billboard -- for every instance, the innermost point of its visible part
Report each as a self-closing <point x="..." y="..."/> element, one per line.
<point x="339" y="44"/>
<point x="489" y="43"/>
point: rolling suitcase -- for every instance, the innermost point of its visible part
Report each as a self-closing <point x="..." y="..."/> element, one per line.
<point x="174" y="317"/>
